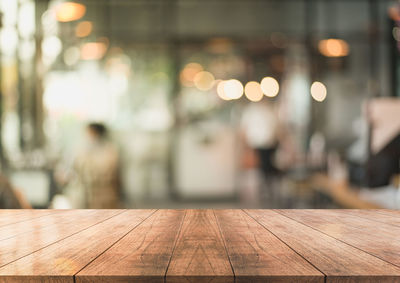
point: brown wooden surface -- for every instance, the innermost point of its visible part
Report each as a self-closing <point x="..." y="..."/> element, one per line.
<point x="142" y="255"/>
<point x="337" y="260"/>
<point x="11" y="216"/>
<point x="46" y="222"/>
<point x="354" y="230"/>
<point x="14" y="248"/>
<point x="200" y="251"/>
<point x="257" y="255"/>
<point x="200" y="246"/>
<point x="60" y="261"/>
<point x="383" y="216"/>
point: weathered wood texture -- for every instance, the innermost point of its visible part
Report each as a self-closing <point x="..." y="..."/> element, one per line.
<point x="199" y="254"/>
<point x="379" y="239"/>
<point x="60" y="260"/>
<point x="142" y="255"/>
<point x="257" y="254"/>
<point x="339" y="261"/>
<point x="215" y="246"/>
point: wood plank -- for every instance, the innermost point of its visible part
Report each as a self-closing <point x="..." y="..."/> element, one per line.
<point x="60" y="261"/>
<point x="43" y="223"/>
<point x="379" y="239"/>
<point x="389" y="212"/>
<point x="11" y="216"/>
<point x="14" y="248"/>
<point x="141" y="256"/>
<point x="343" y="244"/>
<point x="389" y="217"/>
<point x="257" y="255"/>
<point x="340" y="262"/>
<point x="386" y="211"/>
<point x="200" y="255"/>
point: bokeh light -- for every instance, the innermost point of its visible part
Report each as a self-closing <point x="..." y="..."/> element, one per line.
<point x="93" y="50"/>
<point x="189" y="72"/>
<point x="83" y="29"/>
<point x="318" y="91"/>
<point x="69" y="11"/>
<point x="233" y="89"/>
<point x="253" y="91"/>
<point x="51" y="48"/>
<point x="26" y="19"/>
<point x="72" y="56"/>
<point x="8" y="40"/>
<point x="204" y="80"/>
<point x="333" y="47"/>
<point x="394" y="12"/>
<point x="270" y="86"/>
<point x="221" y="92"/>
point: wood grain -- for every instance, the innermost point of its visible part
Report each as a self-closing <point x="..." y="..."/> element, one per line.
<point x="200" y="255"/>
<point x="257" y="255"/>
<point x="216" y="246"/>
<point x="390" y="217"/>
<point x="386" y="211"/>
<point x="60" y="261"/>
<point x="43" y="223"/>
<point x="379" y="239"/>
<point x="11" y="216"/>
<point x="340" y="262"/>
<point x="14" y="248"/>
<point x="141" y="256"/>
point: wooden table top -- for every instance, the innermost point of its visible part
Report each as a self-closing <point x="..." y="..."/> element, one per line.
<point x="199" y="246"/>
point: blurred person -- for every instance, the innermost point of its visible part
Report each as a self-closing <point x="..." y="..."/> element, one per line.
<point x="97" y="169"/>
<point x="260" y="137"/>
<point x="251" y="179"/>
<point x="317" y="151"/>
<point x="357" y="153"/>
<point x="384" y="158"/>
<point x="260" y="129"/>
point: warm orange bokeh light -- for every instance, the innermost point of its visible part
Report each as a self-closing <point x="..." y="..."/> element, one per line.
<point x="204" y="80"/>
<point x="83" y="29"/>
<point x="333" y="47"/>
<point x="93" y="50"/>
<point x="220" y="91"/>
<point x="253" y="91"/>
<point x="70" y="11"/>
<point x="270" y="86"/>
<point x="394" y="12"/>
<point x="189" y="72"/>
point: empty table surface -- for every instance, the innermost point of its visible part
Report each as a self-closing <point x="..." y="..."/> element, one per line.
<point x="199" y="245"/>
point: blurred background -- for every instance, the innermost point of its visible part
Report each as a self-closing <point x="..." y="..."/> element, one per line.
<point x="200" y="103"/>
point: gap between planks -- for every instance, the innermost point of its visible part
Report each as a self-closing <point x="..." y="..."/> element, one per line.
<point x="154" y="211"/>
<point x="174" y="246"/>
<point x="47" y="213"/>
<point x="276" y="236"/>
<point x="333" y="237"/>
<point x="30" y="253"/>
<point x="224" y="243"/>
